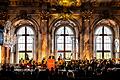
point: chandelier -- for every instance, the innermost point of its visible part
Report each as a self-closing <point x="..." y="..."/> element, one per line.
<point x="9" y="36"/>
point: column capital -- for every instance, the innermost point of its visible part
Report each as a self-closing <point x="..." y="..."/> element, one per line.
<point x="86" y="14"/>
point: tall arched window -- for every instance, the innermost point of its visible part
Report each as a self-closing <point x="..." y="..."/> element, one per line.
<point x="103" y="42"/>
<point x="25" y="42"/>
<point x="65" y="43"/>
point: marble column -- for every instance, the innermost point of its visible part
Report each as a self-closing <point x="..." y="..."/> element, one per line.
<point x="38" y="49"/>
<point x="86" y="40"/>
<point x="8" y="55"/>
<point x="44" y="46"/>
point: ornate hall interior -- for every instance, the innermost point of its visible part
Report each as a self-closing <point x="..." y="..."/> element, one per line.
<point x="69" y="29"/>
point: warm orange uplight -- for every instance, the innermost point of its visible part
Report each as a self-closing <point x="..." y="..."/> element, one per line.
<point x="3" y="55"/>
<point x="44" y="46"/>
<point x="86" y="51"/>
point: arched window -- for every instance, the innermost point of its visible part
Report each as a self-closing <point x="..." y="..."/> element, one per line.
<point x="65" y="43"/>
<point x="25" y="42"/>
<point x="103" y="42"/>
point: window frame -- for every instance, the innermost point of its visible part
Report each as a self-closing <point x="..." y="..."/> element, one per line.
<point x="26" y="35"/>
<point x="64" y="51"/>
<point x="103" y="35"/>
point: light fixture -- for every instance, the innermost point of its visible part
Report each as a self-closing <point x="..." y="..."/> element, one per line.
<point x="9" y="36"/>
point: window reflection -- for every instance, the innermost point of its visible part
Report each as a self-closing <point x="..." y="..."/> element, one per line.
<point x="29" y="39"/>
<point x="60" y="39"/>
<point x="68" y="30"/>
<point x="69" y="39"/>
<point x="29" y="47"/>
<point x="60" y="47"/>
<point x="69" y="47"/>
<point x="29" y="30"/>
<point x="21" y="31"/>
<point x="21" y="39"/>
<point x="60" y="30"/>
<point x="98" y="55"/>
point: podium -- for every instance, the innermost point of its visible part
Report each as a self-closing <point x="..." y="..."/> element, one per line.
<point x="50" y="63"/>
